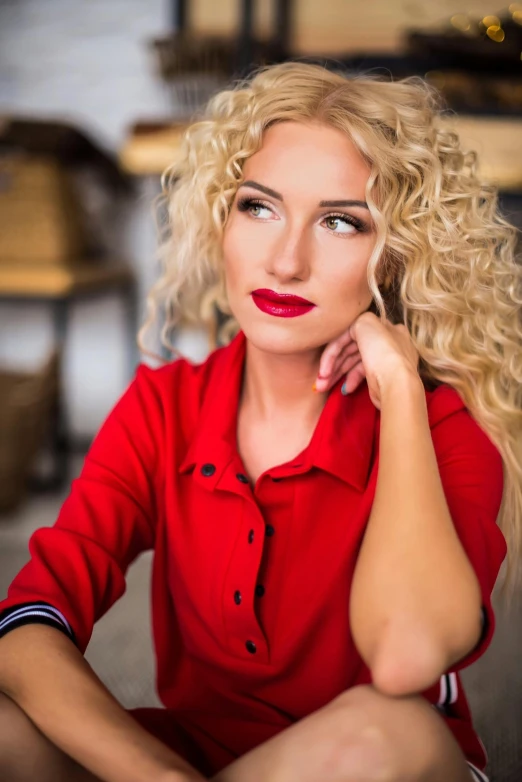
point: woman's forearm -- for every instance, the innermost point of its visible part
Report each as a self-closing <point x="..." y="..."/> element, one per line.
<point x="415" y="604"/>
<point x="47" y="676"/>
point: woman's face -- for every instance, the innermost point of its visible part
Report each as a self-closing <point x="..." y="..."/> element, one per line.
<point x="299" y="226"/>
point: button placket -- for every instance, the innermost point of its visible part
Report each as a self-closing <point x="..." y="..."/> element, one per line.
<point x="234" y="480"/>
<point x="207" y="473"/>
<point x="241" y="623"/>
<point x="211" y="462"/>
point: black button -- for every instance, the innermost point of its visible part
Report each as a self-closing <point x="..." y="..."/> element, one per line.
<point x="237" y="597"/>
<point x="207" y="470"/>
<point x="277" y="479"/>
<point x="251" y="536"/>
<point x="242" y="478"/>
<point x="251" y="647"/>
<point x="260" y="590"/>
<point x="269" y="531"/>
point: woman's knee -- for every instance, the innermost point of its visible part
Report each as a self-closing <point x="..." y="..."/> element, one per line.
<point x="362" y="740"/>
<point x="15" y="740"/>
<point x="26" y="754"/>
<point x="340" y="741"/>
<point x="398" y="738"/>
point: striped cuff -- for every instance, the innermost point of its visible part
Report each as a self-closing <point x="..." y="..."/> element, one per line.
<point x="34" y="613"/>
<point x="449" y="691"/>
<point x="476" y="774"/>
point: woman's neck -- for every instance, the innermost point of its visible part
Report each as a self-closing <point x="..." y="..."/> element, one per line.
<point x="281" y="385"/>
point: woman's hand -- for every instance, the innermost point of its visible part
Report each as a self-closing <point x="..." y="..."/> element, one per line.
<point x="368" y="349"/>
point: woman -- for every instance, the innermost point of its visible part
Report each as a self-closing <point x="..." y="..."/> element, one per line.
<point x="324" y="559"/>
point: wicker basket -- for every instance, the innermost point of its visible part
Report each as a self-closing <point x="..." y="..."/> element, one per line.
<point x="40" y="213"/>
<point x="26" y="405"/>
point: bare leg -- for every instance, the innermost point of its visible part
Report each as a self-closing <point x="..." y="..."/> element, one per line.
<point x="361" y="736"/>
<point x="27" y="755"/>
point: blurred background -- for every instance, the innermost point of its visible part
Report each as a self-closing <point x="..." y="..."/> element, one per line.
<point x="94" y="96"/>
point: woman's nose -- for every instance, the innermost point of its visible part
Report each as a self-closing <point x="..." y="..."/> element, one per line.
<point x="290" y="257"/>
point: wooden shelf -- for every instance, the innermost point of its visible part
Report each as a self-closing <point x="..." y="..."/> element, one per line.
<point x="60" y="281"/>
<point x="149" y="154"/>
<point x="498" y="141"/>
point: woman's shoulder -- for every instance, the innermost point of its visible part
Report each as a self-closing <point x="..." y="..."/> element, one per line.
<point x="177" y="380"/>
<point x="442" y="401"/>
<point x="454" y="429"/>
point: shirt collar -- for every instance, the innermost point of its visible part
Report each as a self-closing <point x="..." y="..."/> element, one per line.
<point x="342" y="442"/>
<point x="215" y="438"/>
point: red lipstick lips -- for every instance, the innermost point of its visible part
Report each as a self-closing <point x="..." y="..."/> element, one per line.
<point x="282" y="305"/>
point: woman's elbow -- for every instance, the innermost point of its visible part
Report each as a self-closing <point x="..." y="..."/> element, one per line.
<point x="406" y="672"/>
<point x="408" y="663"/>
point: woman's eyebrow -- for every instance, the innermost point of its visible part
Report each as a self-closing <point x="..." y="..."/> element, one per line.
<point x="274" y="194"/>
<point x="262" y="188"/>
<point x="344" y="203"/>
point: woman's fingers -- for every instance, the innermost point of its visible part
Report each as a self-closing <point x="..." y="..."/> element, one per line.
<point x="345" y="364"/>
<point x="354" y="377"/>
<point x="327" y="378"/>
<point x="332" y="353"/>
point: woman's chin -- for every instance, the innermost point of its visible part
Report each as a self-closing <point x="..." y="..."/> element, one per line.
<point x="282" y="338"/>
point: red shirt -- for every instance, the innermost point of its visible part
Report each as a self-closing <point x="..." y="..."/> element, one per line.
<point x="251" y="583"/>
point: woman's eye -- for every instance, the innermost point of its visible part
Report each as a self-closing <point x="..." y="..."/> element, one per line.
<point x="254" y="208"/>
<point x="340" y="225"/>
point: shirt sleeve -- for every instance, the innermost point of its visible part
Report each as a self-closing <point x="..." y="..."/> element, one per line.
<point x="77" y="567"/>
<point x="471" y="471"/>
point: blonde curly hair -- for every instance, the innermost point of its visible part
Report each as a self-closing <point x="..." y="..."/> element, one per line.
<point x="443" y="263"/>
